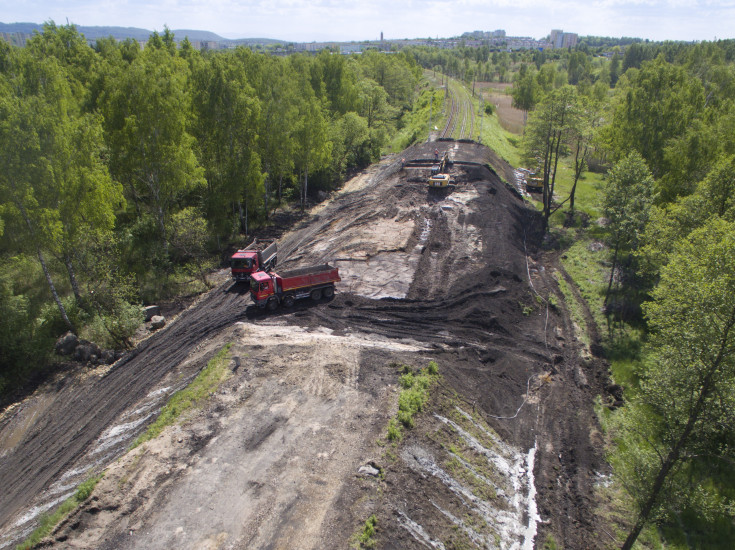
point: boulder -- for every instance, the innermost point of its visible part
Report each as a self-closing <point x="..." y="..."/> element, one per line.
<point x="150" y="311"/>
<point x="158" y="321"/>
<point x="67" y="344"/>
<point x="87" y="352"/>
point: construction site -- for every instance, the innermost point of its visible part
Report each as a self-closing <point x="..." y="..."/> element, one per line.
<point x="292" y="450"/>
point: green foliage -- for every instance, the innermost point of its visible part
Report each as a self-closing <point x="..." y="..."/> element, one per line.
<point x="550" y="543"/>
<point x="394" y="430"/>
<point x="526" y="91"/>
<point x="412" y="398"/>
<point x="544" y="143"/>
<point x="414" y="395"/>
<point x="195" y="393"/>
<point x="365" y="537"/>
<point x="20" y="339"/>
<point x="656" y="104"/>
<point x="684" y="410"/>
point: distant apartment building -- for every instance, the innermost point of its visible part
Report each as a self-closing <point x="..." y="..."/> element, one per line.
<point x="561" y="39"/>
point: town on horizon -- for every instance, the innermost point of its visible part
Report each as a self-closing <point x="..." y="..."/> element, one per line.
<point x="18" y="33"/>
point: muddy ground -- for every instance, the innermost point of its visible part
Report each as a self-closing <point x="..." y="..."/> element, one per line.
<point x="291" y="451"/>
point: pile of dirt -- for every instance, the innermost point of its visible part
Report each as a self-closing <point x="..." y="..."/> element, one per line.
<point x="292" y="450"/>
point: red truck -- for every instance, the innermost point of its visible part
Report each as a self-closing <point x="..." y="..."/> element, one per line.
<point x="255" y="257"/>
<point x="269" y="290"/>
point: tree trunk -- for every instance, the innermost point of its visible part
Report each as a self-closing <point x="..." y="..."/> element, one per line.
<point x="612" y="274"/>
<point x="265" y="198"/>
<point x="72" y="278"/>
<point x="280" y="188"/>
<point x="41" y="259"/>
<point x="55" y="294"/>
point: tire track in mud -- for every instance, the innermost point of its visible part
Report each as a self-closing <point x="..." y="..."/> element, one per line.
<point x="59" y="440"/>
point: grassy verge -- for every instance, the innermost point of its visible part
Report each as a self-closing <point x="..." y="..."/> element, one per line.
<point x="206" y="382"/>
<point x="49" y="521"/>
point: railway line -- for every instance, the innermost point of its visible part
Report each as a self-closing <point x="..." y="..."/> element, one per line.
<point x="460" y="122"/>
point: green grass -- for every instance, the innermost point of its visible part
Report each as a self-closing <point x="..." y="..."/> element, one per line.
<point x="414" y="394"/>
<point x="50" y="521"/>
<point x="364" y="538"/>
<point x="587" y="196"/>
<point x="190" y="397"/>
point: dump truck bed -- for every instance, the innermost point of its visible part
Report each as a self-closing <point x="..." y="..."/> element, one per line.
<point x="308" y="276"/>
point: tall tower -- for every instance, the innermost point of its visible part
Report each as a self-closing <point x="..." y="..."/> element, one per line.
<point x="381" y="36"/>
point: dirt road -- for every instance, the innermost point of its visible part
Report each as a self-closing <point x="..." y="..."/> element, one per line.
<point x="504" y="455"/>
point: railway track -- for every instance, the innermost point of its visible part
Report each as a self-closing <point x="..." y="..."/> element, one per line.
<point x="461" y="120"/>
<point x="453" y="113"/>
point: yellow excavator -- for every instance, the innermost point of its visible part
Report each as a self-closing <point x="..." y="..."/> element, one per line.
<point x="439" y="173"/>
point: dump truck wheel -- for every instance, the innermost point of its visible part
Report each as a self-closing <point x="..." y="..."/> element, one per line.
<point x="328" y="292"/>
<point x="288" y="301"/>
<point x="272" y="304"/>
<point x="316" y="294"/>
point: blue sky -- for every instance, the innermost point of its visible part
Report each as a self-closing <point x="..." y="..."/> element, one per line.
<point x="344" y="20"/>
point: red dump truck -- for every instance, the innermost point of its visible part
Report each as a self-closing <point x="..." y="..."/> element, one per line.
<point x="270" y="290"/>
<point x="257" y="256"/>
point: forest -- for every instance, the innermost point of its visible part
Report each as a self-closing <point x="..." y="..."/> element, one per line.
<point x="126" y="173"/>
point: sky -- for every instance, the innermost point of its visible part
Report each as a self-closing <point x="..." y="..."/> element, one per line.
<point x="347" y="20"/>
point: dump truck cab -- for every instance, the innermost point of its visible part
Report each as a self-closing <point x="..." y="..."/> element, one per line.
<point x="256" y="257"/>
<point x="262" y="287"/>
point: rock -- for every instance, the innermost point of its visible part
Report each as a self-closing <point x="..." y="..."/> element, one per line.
<point x="497" y="290"/>
<point x="150" y="311"/>
<point x="67" y="344"/>
<point x="158" y="321"/>
<point x="368" y="470"/>
<point x="87" y="352"/>
<point x="559" y="333"/>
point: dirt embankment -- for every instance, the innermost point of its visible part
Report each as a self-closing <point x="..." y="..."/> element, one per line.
<point x="504" y="455"/>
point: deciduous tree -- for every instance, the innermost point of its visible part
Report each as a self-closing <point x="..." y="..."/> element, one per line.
<point x="685" y="409"/>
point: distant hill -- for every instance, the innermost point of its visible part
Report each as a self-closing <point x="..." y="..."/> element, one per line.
<point x="121" y="33"/>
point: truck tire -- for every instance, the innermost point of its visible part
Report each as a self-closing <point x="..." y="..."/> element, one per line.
<point x="316" y="294"/>
<point x="288" y="301"/>
<point x="328" y="292"/>
<point x="272" y="304"/>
